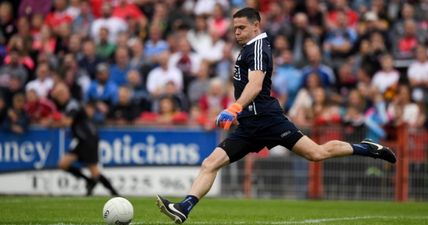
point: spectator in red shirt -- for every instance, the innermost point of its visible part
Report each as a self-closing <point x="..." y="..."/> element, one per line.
<point x="40" y="110"/>
<point x="409" y="41"/>
<point x="58" y="16"/>
<point x="127" y="10"/>
<point x="341" y="5"/>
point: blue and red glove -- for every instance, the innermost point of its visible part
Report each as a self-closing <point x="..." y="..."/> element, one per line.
<point x="226" y="117"/>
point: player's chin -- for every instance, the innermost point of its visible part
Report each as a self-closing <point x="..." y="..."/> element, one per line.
<point x="240" y="42"/>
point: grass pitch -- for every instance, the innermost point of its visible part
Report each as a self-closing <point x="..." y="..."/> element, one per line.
<point x="81" y="210"/>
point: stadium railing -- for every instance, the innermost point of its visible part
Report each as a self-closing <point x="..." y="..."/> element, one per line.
<point x="283" y="174"/>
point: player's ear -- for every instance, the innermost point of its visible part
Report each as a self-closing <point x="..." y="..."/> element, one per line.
<point x="256" y="25"/>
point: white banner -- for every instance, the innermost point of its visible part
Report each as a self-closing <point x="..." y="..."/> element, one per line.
<point x="129" y="181"/>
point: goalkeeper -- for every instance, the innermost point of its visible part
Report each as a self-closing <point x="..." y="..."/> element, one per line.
<point x="260" y="119"/>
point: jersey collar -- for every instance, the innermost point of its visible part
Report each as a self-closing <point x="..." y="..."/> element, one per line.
<point x="258" y="37"/>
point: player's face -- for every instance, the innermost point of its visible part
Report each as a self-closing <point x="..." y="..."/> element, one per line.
<point x="244" y="29"/>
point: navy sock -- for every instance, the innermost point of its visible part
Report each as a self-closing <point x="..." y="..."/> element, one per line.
<point x="188" y="203"/>
<point x="361" y="149"/>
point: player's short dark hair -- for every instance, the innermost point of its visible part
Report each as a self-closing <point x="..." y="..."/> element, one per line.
<point x="251" y="14"/>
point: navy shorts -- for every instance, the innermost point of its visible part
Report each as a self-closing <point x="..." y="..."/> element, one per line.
<point x="255" y="133"/>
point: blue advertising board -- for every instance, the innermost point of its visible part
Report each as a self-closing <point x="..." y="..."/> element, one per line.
<point x="41" y="148"/>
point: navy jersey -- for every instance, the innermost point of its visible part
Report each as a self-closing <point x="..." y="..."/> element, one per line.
<point x="256" y="55"/>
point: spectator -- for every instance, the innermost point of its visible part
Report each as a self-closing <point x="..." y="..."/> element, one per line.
<point x="316" y="66"/>
<point x="300" y="34"/>
<point x="125" y="111"/>
<point x="417" y="73"/>
<point x="40" y="110"/>
<point x="155" y="45"/>
<point x="159" y="76"/>
<point x="115" y="25"/>
<point x="103" y="92"/>
<point x="225" y="65"/>
<point x="126" y="10"/>
<point x="46" y="43"/>
<point x="138" y="91"/>
<point x="324" y="111"/>
<point x="169" y="113"/>
<point x="90" y="60"/>
<point x="407" y="43"/>
<point x="215" y="99"/>
<point x="58" y="16"/>
<point x="341" y="6"/>
<point x="279" y="18"/>
<point x="13" y="68"/>
<point x="73" y="8"/>
<point x="43" y="82"/>
<point x="74" y="76"/>
<point x="287" y="79"/>
<point x="387" y="77"/>
<point x="407" y="13"/>
<point x="199" y="86"/>
<point x="17" y="43"/>
<point x="15" y="86"/>
<point x="104" y="48"/>
<point x="7" y="22"/>
<point x="304" y="100"/>
<point x="280" y="44"/>
<point x="119" y="70"/>
<point x="138" y="60"/>
<point x="199" y="37"/>
<point x="352" y="113"/>
<point x="28" y="8"/>
<point x="185" y="59"/>
<point x="404" y="111"/>
<point x="312" y="9"/>
<point x="339" y="40"/>
<point x="83" y="21"/>
<point x="17" y="119"/>
<point x="218" y="22"/>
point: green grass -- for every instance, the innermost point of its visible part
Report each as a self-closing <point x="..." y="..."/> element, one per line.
<point x="80" y="210"/>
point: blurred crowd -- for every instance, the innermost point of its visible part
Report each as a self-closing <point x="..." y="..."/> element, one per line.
<point x="358" y="63"/>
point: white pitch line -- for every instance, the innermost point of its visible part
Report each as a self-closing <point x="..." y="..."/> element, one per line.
<point x="307" y="221"/>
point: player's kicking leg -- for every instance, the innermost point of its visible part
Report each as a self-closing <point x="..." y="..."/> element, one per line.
<point x="314" y="152"/>
<point x="178" y="212"/>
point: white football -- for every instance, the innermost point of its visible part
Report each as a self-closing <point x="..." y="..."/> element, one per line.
<point x="118" y="211"/>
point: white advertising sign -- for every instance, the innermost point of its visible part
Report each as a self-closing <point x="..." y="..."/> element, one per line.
<point x="129" y="181"/>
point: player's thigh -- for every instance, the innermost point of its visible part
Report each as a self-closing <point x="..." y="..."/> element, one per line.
<point x="216" y="160"/>
<point x="236" y="147"/>
<point x="67" y="160"/>
<point x="306" y="147"/>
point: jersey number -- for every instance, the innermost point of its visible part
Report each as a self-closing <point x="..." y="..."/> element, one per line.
<point x="237" y="73"/>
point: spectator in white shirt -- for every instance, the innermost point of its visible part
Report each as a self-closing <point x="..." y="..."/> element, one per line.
<point x="417" y="73"/>
<point x="43" y="83"/>
<point x="115" y="25"/>
<point x="161" y="75"/>
<point x="387" y="77"/>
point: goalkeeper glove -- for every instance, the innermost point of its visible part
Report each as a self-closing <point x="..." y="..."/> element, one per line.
<point x="226" y="117"/>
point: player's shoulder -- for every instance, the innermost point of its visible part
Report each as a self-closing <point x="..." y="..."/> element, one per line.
<point x="259" y="43"/>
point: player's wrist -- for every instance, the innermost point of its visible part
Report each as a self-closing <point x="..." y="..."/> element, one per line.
<point x="235" y="108"/>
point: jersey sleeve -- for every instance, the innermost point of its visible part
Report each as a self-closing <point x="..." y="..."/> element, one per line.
<point x="257" y="59"/>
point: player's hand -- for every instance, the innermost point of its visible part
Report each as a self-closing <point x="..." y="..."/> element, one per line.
<point x="228" y="116"/>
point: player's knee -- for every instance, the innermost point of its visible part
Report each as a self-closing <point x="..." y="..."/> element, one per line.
<point x="316" y="155"/>
<point x="209" y="165"/>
